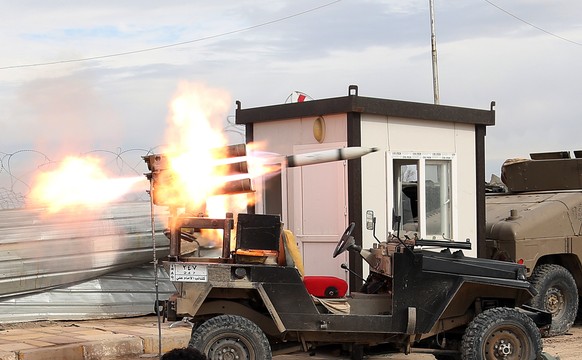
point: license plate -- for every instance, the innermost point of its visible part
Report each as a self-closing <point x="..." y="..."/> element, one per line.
<point x="186" y="272"/>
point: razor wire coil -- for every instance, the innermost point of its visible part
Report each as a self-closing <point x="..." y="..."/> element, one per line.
<point x="18" y="170"/>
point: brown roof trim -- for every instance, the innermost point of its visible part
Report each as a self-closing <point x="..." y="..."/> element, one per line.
<point x="367" y="105"/>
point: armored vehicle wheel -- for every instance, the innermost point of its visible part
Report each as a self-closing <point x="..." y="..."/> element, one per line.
<point x="501" y="333"/>
<point x="230" y="337"/>
<point x="557" y="294"/>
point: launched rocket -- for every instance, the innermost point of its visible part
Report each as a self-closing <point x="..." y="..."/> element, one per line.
<point x="318" y="157"/>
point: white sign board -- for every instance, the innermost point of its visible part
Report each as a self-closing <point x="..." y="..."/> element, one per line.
<point x="187" y="272"/>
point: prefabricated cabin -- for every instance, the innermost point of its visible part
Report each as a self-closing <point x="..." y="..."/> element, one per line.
<point x="429" y="169"/>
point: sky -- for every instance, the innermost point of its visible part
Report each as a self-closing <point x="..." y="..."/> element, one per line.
<point x="99" y="75"/>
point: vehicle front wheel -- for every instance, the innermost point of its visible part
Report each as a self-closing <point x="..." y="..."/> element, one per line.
<point x="501" y="333"/>
<point x="231" y="337"/>
<point x="557" y="294"/>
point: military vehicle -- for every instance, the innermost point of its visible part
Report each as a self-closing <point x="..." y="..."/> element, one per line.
<point x="537" y="222"/>
<point x="253" y="302"/>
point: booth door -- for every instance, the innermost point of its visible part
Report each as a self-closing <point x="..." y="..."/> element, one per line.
<point x="318" y="210"/>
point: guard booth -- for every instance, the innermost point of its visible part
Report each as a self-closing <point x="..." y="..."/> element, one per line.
<point x="429" y="169"/>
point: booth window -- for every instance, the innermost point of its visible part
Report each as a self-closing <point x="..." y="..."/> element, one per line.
<point x="269" y="193"/>
<point x="422" y="196"/>
<point x="438" y="198"/>
<point x="272" y="194"/>
<point x="406" y="193"/>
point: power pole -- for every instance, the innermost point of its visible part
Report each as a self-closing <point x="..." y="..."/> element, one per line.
<point x="435" y="70"/>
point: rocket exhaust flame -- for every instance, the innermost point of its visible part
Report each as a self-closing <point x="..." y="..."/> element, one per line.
<point x="230" y="176"/>
<point x="79" y="182"/>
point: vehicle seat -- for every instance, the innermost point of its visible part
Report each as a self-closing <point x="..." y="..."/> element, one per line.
<point x="291" y="251"/>
<point x="325" y="286"/>
<point x="318" y="286"/>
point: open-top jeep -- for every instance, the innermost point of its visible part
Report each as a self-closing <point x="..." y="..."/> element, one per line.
<point x="253" y="301"/>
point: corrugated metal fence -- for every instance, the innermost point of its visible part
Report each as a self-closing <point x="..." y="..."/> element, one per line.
<point x="82" y="253"/>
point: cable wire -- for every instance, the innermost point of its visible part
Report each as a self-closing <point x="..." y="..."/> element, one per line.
<point x="174" y="44"/>
<point x="532" y="25"/>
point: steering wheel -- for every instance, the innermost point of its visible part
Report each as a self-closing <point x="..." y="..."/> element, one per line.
<point x="343" y="243"/>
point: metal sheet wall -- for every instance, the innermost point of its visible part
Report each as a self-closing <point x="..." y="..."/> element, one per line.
<point x="40" y="250"/>
<point x="125" y="293"/>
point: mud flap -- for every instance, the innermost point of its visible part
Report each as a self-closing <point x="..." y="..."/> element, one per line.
<point x="410" y="328"/>
<point x="411" y="324"/>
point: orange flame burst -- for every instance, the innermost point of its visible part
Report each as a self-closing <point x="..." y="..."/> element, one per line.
<point x="196" y="151"/>
<point x="195" y="122"/>
<point x="79" y="182"/>
<point x="196" y="140"/>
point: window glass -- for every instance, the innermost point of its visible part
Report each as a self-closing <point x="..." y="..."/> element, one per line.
<point x="422" y="196"/>
<point x="272" y="194"/>
<point x="438" y="199"/>
<point x="406" y="193"/>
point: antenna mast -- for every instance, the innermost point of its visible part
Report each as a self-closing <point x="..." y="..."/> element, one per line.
<point x="435" y="71"/>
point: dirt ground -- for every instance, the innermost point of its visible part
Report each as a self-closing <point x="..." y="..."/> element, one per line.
<point x="568" y="346"/>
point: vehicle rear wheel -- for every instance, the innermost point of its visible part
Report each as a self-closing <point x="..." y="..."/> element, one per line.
<point x="501" y="333"/>
<point x="557" y="294"/>
<point x="226" y="337"/>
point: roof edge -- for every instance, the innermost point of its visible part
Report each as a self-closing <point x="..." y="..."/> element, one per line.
<point x="368" y="105"/>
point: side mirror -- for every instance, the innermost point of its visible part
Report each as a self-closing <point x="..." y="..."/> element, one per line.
<point x="370" y="220"/>
<point x="371" y="223"/>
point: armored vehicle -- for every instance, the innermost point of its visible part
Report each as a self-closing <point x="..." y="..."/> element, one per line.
<point x="537" y="222"/>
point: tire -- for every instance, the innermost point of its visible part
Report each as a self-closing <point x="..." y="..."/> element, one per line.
<point x="557" y="294"/>
<point x="501" y="333"/>
<point x="232" y="334"/>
